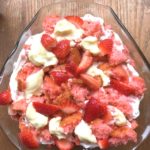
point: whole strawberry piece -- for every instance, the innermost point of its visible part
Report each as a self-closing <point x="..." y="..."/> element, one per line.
<point x="94" y="109"/>
<point x="28" y="138"/>
<point x="62" y="49"/>
<point x="48" y="42"/>
<point x="5" y="97"/>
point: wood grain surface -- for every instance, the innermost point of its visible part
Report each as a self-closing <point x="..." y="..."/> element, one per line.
<point x="16" y="14"/>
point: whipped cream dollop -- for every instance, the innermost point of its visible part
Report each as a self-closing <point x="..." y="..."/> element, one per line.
<point x="38" y="55"/>
<point x="90" y="44"/>
<point x="36" y="119"/>
<point x="84" y="132"/>
<point x="55" y="129"/>
<point x="33" y="83"/>
<point x="66" y="30"/>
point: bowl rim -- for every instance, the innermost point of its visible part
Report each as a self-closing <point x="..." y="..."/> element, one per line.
<point x="61" y="1"/>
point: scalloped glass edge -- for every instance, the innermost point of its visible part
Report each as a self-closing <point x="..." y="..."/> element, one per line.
<point x="27" y="31"/>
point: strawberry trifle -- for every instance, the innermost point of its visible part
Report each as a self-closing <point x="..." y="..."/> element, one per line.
<point x="75" y="84"/>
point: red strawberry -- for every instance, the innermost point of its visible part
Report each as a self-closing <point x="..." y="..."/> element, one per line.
<point x="62" y="49"/>
<point x="60" y="76"/>
<point x="28" y="138"/>
<point x="70" y="122"/>
<point x="75" y="56"/>
<point x="85" y="63"/>
<point x="122" y="87"/>
<point x="106" y="46"/>
<point x="49" y="23"/>
<point x="90" y="81"/>
<point x="20" y="105"/>
<point x="71" y="67"/>
<point x="69" y="108"/>
<point x="48" y="42"/>
<point x="103" y="144"/>
<point x="64" y="144"/>
<point x="46" y="109"/>
<point x="94" y="109"/>
<point x="76" y="20"/>
<point x="119" y="73"/>
<point x="92" y="28"/>
<point x="5" y="97"/>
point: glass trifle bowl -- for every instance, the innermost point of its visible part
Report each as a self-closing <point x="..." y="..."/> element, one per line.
<point x="78" y="8"/>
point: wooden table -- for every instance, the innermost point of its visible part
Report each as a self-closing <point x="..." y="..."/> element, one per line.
<point x="16" y="14"/>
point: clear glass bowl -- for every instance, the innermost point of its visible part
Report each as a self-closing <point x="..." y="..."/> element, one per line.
<point x="79" y="8"/>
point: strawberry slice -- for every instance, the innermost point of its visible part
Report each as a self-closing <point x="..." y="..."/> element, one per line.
<point x="28" y="138"/>
<point x="106" y="46"/>
<point x="69" y="108"/>
<point x="46" y="109"/>
<point x="119" y="73"/>
<point x="64" y="144"/>
<point x="48" y="42"/>
<point x="49" y="23"/>
<point x="69" y="123"/>
<point x="62" y="49"/>
<point x="94" y="109"/>
<point x="122" y="87"/>
<point x="60" y="76"/>
<point x="76" y="20"/>
<point x="90" y="81"/>
<point x="103" y="144"/>
<point x="75" y="56"/>
<point x="85" y="63"/>
<point x="71" y="67"/>
<point x="5" y="97"/>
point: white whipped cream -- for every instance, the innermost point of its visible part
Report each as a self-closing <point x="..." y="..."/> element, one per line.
<point x="55" y="129"/>
<point x="84" y="132"/>
<point x="38" y="55"/>
<point x="36" y="119"/>
<point x="33" y="83"/>
<point x="89" y="17"/>
<point x="90" y="44"/>
<point x="66" y="30"/>
<point x="94" y="71"/>
<point x="118" y="116"/>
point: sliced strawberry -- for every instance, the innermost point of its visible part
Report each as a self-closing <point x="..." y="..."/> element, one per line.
<point x="69" y="108"/>
<point x="103" y="144"/>
<point x="119" y="73"/>
<point x="75" y="56"/>
<point x="90" y="81"/>
<point x="64" y="144"/>
<point x="106" y="46"/>
<point x="71" y="67"/>
<point x="69" y="123"/>
<point x="122" y="87"/>
<point x="20" y="105"/>
<point x="62" y="49"/>
<point x="92" y="28"/>
<point x="85" y="63"/>
<point x="5" y="97"/>
<point x="60" y="76"/>
<point x="76" y="20"/>
<point x="46" y="109"/>
<point x="48" y="42"/>
<point x="94" y="109"/>
<point x="49" y="23"/>
<point x="28" y="138"/>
